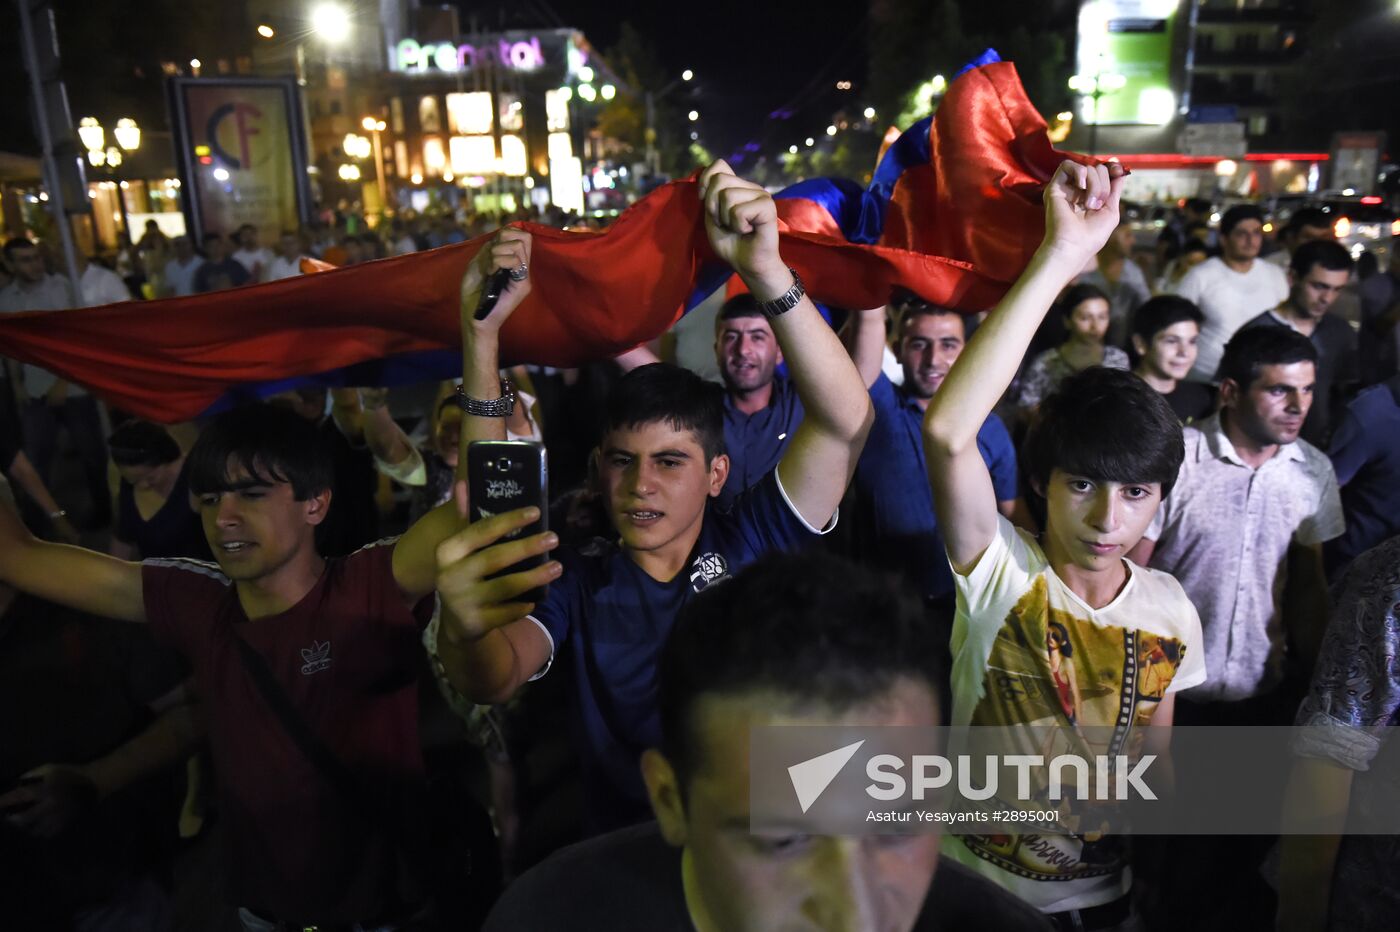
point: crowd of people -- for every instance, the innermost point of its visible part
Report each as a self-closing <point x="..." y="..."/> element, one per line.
<point x="1098" y="503"/>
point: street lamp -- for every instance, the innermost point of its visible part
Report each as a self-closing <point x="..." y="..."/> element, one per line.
<point x="331" y="21"/>
<point x="374" y="127"/>
<point x="651" y="99"/>
<point x="693" y="115"/>
<point x="1095" y="86"/>
<point x="100" y="155"/>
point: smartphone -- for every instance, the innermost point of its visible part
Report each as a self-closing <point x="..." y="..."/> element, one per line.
<point x="495" y="287"/>
<point x="504" y="475"/>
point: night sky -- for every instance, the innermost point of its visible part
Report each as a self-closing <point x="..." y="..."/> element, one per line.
<point x="751" y="57"/>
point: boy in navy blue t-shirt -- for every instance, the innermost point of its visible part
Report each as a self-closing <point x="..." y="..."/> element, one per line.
<point x="660" y="464"/>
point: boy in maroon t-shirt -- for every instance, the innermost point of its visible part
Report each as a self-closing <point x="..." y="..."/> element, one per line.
<point x="340" y="638"/>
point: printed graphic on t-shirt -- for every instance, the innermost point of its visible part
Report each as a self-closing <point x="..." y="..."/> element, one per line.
<point x="316" y="658"/>
<point x="1049" y="667"/>
<point x="707" y="570"/>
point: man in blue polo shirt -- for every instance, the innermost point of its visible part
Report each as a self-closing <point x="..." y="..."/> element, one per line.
<point x="660" y="465"/>
<point x="894" y="523"/>
<point x="761" y="408"/>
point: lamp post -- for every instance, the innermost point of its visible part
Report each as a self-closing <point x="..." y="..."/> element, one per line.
<point x="374" y="127"/>
<point x="1095" y="86"/>
<point x="652" y="158"/>
<point x="94" y="139"/>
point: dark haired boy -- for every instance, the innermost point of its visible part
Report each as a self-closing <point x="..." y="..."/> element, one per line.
<point x="797" y="640"/>
<point x="1317" y="274"/>
<point x="1103" y="453"/>
<point x="1253" y="504"/>
<point x="339" y="638"/>
<point x="1165" y="332"/>
<point x="894" y="522"/>
<point x="761" y="407"/>
<point x="1232" y="288"/>
<point x="660" y="464"/>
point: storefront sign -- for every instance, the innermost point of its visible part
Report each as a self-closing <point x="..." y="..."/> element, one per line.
<point x="516" y="55"/>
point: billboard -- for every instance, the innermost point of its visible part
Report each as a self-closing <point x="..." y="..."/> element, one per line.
<point x="1125" y="54"/>
<point x="241" y="146"/>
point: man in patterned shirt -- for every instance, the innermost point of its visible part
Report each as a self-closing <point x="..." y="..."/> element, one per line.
<point x="1344" y="757"/>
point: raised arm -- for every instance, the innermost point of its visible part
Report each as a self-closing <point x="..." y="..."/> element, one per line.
<point x="741" y="221"/>
<point x="1081" y="210"/>
<point x="415" y="555"/>
<point x="106" y="586"/>
<point x="867" y="335"/>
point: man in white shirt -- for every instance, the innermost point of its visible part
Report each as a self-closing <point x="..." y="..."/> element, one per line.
<point x="288" y="260"/>
<point x="50" y="402"/>
<point x="256" y="259"/>
<point x="179" y="272"/>
<point x="1232" y="288"/>
<point x="100" y="284"/>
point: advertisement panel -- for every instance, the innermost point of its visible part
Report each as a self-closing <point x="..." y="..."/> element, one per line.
<point x="1124" y="61"/>
<point x="241" y="148"/>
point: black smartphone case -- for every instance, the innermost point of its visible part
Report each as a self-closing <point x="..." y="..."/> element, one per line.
<point x="505" y="475"/>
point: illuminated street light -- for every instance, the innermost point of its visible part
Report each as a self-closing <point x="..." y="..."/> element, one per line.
<point x="843" y="85"/>
<point x="416" y="178"/>
<point x="587" y="92"/>
<point x="687" y="74"/>
<point x="91" y="134"/>
<point x="266" y="31"/>
<point x="831" y="131"/>
<point x="372" y="125"/>
<point x="870" y="113"/>
<point x="585" y="74"/>
<point x="609" y="92"/>
<point x="195" y="65"/>
<point x="221" y="174"/>
<point x="331" y="22"/>
<point x="811" y="141"/>
<point x="792" y="150"/>
<point x="128" y="134"/>
<point x="349" y="173"/>
<point x="693" y="115"/>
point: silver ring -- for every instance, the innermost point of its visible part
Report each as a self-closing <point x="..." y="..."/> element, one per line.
<point x="518" y="274"/>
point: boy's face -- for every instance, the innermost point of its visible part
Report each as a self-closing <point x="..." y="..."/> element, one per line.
<point x="1092" y="524"/>
<point x="255" y="530"/>
<point x="742" y="881"/>
<point x="657" y="481"/>
<point x="1173" y="350"/>
<point x="1089" y="320"/>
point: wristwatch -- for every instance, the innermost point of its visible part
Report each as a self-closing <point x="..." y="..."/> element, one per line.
<point x="494" y="407"/>
<point x="785" y="301"/>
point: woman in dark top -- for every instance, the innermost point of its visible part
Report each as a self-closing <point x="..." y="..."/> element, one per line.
<point x="154" y="516"/>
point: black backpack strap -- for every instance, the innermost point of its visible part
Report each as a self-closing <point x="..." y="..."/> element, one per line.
<point x="326" y="763"/>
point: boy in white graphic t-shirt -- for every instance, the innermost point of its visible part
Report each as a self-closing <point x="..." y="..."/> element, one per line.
<point x="1062" y="630"/>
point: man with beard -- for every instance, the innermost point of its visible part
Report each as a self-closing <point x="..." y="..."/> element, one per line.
<point x="761" y="408"/>
<point x="893" y="515"/>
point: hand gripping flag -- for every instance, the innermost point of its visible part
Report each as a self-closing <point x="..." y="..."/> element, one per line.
<point x="952" y="214"/>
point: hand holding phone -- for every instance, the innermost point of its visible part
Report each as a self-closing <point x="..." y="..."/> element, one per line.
<point x="495" y="287"/>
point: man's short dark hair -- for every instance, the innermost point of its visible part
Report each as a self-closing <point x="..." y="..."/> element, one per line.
<point x="676" y="396"/>
<point x="811" y="626"/>
<point x="15" y="243"/>
<point x="1329" y="254"/>
<point x="141" y="443"/>
<point x="1197" y="205"/>
<point x="271" y="444"/>
<point x="913" y="306"/>
<point x="1252" y="348"/>
<point x="741" y="305"/>
<point x="1306" y="217"/>
<point x="1163" y="311"/>
<point x="1107" y="425"/>
<point x="1237" y="215"/>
